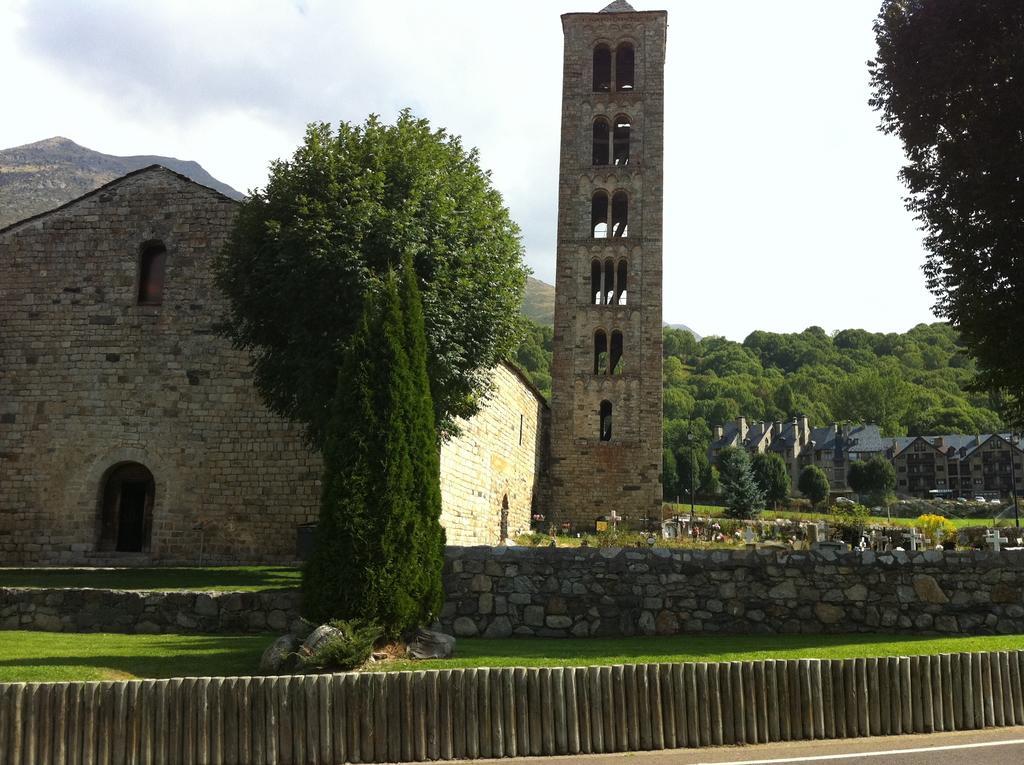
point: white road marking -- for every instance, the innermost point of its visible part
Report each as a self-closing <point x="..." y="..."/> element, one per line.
<point x="888" y="753"/>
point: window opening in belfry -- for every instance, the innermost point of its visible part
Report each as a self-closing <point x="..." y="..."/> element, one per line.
<point x="151" y="273"/>
<point x="600" y="352"/>
<point x="606" y="421"/>
<point x="599" y="215"/>
<point x="624" y="59"/>
<point x="609" y="282"/>
<point x="602" y="69"/>
<point x="615" y="357"/>
<point x="620" y="139"/>
<point x="620" y="283"/>
<point x="596" y="291"/>
<point x="620" y="215"/>
<point x="601" y="135"/>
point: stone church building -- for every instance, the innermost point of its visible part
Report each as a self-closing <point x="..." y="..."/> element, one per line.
<point x="130" y="431"/>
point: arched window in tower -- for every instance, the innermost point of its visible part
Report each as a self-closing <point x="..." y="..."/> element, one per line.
<point x="615" y="357"/>
<point x="606" y="421"/>
<point x="151" y="273"/>
<point x="620" y="283"/>
<point x="620" y="215"/>
<point x="601" y="136"/>
<point x="596" y="290"/>
<point x="600" y="352"/>
<point x="602" y="69"/>
<point x="599" y="215"/>
<point x="609" y="282"/>
<point x="624" y="59"/>
<point x="620" y="138"/>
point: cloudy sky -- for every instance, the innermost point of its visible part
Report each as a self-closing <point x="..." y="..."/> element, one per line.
<point x="782" y="204"/>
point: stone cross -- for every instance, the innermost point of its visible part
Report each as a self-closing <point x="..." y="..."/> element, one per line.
<point x="614" y="518"/>
<point x="878" y="540"/>
<point x="749" y="537"/>
<point x="994" y="538"/>
<point x="915" y="537"/>
<point x="939" y="533"/>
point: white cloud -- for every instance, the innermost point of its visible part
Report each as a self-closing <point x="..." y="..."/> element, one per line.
<point x="782" y="204"/>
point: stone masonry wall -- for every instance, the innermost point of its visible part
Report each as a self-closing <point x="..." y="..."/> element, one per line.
<point x="501" y="453"/>
<point x="91" y="379"/>
<point x="68" y="610"/>
<point x="560" y="592"/>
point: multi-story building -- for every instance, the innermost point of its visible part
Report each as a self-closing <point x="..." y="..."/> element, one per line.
<point x="926" y="466"/>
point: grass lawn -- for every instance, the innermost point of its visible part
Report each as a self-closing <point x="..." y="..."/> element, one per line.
<point x="535" y="652"/>
<point x="51" y="656"/>
<point x="236" y="578"/>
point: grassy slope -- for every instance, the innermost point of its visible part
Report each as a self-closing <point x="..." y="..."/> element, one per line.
<point x="235" y="578"/>
<point x="535" y="652"/>
<point x="52" y="656"/>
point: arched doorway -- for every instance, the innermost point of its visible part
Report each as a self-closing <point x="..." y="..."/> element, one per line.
<point x="126" y="510"/>
<point x="503" y="529"/>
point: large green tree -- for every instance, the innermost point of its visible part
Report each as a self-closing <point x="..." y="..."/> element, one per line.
<point x="350" y="203"/>
<point x="947" y="80"/>
<point x="874" y="478"/>
<point x="743" y="497"/>
<point x="813" y="484"/>
<point x="772" y="476"/>
<point x="379" y="544"/>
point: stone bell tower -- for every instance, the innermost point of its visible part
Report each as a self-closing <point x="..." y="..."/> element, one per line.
<point x="607" y="371"/>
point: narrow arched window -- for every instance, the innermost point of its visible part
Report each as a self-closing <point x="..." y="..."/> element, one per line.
<point x="600" y="147"/>
<point x="620" y="215"/>
<point x="151" y="273"/>
<point x="599" y="215"/>
<point x="620" y="283"/>
<point x="596" y="290"/>
<point x="620" y="139"/>
<point x="602" y="69"/>
<point x="624" y="59"/>
<point x="615" y="357"/>
<point x="600" y="352"/>
<point x="609" y="282"/>
<point x="606" y="421"/>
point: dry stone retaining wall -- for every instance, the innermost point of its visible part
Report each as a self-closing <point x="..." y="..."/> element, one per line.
<point x="86" y="610"/>
<point x="561" y="592"/>
<point x="504" y="712"/>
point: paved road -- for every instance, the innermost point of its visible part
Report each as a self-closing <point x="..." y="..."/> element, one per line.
<point x="1003" y="746"/>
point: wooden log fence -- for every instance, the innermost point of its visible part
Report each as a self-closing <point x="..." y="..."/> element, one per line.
<point x="502" y="712"/>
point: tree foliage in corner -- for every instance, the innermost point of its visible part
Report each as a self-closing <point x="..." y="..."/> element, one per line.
<point x="813" y="484"/>
<point x="948" y="82"/>
<point x="308" y="248"/>
<point x="379" y="545"/>
<point x="743" y="497"/>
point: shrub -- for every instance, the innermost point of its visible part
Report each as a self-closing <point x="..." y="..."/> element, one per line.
<point x="850" y="521"/>
<point x="929" y="524"/>
<point x="348" y="650"/>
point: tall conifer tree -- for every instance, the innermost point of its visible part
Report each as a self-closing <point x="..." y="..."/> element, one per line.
<point x="379" y="545"/>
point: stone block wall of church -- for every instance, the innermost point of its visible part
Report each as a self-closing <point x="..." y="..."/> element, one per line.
<point x="500" y="454"/>
<point x="90" y="379"/>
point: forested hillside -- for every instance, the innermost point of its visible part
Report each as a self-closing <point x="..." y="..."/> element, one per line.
<point x="910" y="383"/>
<point x="907" y="383"/>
